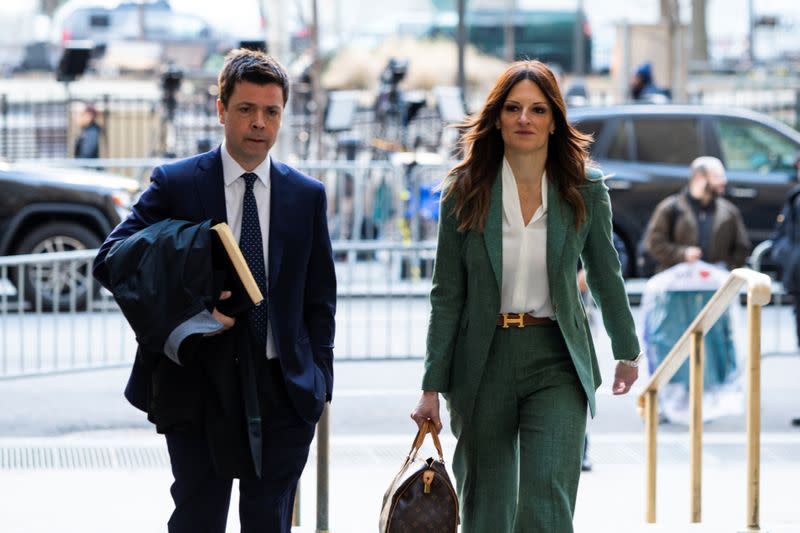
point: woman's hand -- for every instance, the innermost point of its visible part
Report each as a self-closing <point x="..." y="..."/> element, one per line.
<point x="624" y="378"/>
<point x="427" y="409"/>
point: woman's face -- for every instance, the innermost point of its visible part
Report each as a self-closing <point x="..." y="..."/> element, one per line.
<point x="526" y="120"/>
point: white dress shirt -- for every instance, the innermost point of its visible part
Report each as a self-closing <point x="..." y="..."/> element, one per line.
<point x="234" y="198"/>
<point x="525" y="281"/>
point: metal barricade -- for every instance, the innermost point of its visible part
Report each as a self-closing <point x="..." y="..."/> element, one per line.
<point x="54" y="317"/>
<point x="367" y="200"/>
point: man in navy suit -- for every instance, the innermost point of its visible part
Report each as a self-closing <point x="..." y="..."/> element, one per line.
<point x="279" y="217"/>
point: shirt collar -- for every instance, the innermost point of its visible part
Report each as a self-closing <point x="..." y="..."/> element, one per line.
<point x="231" y="170"/>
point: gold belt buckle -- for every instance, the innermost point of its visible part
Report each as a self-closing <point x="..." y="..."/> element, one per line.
<point x="508" y="321"/>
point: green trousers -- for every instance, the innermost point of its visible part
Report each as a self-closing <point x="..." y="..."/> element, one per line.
<point x="518" y="458"/>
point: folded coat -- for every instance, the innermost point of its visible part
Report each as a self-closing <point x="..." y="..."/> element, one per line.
<point x="166" y="279"/>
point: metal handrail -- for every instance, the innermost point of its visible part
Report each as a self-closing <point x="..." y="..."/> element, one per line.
<point x="757" y="256"/>
<point x="759" y="293"/>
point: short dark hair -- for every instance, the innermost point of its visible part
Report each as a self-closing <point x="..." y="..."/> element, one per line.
<point x="253" y="66"/>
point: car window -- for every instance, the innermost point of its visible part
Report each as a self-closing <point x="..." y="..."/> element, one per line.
<point x="591" y="127"/>
<point x="753" y="147"/>
<point x="672" y="141"/>
<point x="101" y="20"/>
<point x="620" y="145"/>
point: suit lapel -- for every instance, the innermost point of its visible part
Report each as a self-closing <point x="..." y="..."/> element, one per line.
<point x="211" y="186"/>
<point x="279" y="209"/>
<point x="493" y="234"/>
<point x="556" y="232"/>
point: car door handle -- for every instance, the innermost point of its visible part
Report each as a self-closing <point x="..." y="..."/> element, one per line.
<point x="742" y="192"/>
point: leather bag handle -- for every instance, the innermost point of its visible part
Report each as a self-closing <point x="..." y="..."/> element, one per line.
<point x="427" y="427"/>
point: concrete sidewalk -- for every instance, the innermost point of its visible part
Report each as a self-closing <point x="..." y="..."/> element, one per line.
<point x="118" y="481"/>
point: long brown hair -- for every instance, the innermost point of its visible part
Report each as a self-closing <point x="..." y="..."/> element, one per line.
<point x="470" y="182"/>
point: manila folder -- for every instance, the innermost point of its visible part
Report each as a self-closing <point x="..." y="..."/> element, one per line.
<point x="241" y="279"/>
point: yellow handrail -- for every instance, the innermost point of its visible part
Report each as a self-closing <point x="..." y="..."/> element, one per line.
<point x="759" y="292"/>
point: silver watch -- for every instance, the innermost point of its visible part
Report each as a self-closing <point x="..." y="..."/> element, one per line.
<point x="632" y="362"/>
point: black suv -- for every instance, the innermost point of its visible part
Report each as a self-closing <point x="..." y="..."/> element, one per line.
<point x="648" y="148"/>
<point x="45" y="209"/>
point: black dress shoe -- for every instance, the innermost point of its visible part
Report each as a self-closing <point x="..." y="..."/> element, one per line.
<point x="586" y="464"/>
<point x="796" y="422"/>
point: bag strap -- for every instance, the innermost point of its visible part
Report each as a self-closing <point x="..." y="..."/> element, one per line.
<point x="427" y="427"/>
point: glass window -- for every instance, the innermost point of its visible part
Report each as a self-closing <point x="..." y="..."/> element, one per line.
<point x="591" y="127"/>
<point x="671" y="141"/>
<point x="620" y="147"/>
<point x="753" y="147"/>
<point x="99" y="21"/>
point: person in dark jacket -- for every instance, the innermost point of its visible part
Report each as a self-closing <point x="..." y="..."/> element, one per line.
<point x="786" y="253"/>
<point x="279" y="218"/>
<point x="643" y="87"/>
<point x="87" y="145"/>
<point x="698" y="223"/>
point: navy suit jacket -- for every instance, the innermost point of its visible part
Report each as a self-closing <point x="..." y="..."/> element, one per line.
<point x="302" y="283"/>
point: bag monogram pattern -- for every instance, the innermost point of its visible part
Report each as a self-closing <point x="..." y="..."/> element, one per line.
<point x="424" y="501"/>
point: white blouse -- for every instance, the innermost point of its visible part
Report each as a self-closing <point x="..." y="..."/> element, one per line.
<point x="525" y="282"/>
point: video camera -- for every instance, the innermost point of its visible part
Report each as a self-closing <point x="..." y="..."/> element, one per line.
<point x="394" y="71"/>
<point x="171" y="78"/>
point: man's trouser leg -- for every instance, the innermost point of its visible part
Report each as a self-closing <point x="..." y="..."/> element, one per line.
<point x="201" y="497"/>
<point x="266" y="504"/>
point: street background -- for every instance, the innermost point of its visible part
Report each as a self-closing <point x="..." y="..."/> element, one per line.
<point x="371" y="98"/>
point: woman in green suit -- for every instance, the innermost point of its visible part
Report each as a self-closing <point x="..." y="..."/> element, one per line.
<point x="508" y="345"/>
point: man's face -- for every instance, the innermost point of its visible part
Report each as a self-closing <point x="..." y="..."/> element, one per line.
<point x="716" y="182"/>
<point x="251" y="119"/>
<point x="86" y="118"/>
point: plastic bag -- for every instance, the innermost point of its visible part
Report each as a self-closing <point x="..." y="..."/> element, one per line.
<point x="670" y="302"/>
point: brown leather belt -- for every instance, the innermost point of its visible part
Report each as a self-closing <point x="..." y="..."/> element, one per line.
<point x="520" y="320"/>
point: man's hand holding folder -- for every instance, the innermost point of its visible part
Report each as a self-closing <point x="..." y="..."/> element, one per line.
<point x="226" y="321"/>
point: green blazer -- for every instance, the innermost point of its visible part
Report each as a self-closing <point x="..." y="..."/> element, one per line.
<point x="467" y="279"/>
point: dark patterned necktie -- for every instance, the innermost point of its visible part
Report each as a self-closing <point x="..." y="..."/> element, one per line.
<point x="252" y="247"/>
